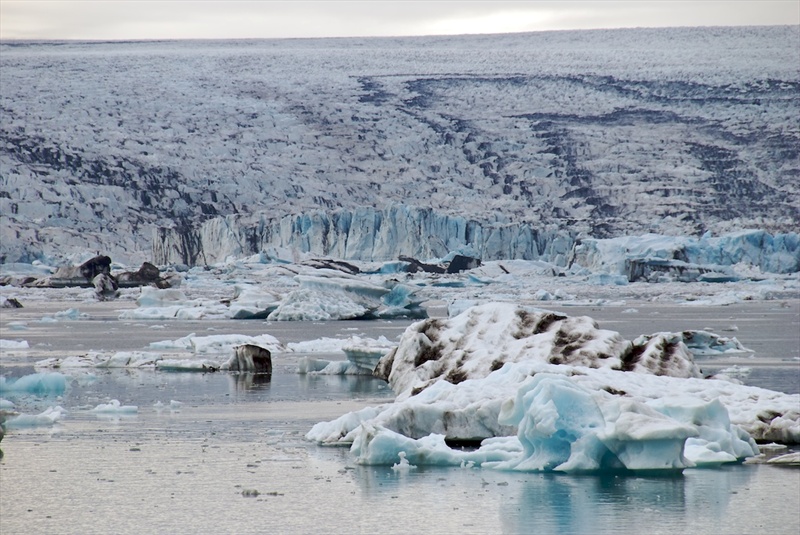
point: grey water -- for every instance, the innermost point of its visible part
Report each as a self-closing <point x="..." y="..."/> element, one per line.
<point x="232" y="458"/>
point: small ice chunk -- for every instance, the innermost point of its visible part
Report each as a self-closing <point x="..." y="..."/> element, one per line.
<point x="49" y="416"/>
<point x="115" y="407"/>
<point x="14" y="344"/>
<point x="403" y="466"/>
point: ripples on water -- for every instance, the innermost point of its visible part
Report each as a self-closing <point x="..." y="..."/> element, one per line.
<point x="232" y="459"/>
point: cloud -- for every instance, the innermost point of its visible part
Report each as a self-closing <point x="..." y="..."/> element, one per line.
<point x="180" y="19"/>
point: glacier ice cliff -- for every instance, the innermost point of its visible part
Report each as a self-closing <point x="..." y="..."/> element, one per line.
<point x="368" y="234"/>
<point x="371" y="234"/>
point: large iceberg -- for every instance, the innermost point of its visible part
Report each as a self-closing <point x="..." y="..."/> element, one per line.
<point x="618" y="405"/>
<point x="483" y="338"/>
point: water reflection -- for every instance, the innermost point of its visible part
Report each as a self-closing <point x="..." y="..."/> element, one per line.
<point x="609" y="503"/>
<point x="356" y="384"/>
<point x="248" y="382"/>
<point x="145" y="387"/>
<point x="527" y="502"/>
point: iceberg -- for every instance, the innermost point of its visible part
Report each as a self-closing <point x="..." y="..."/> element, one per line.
<point x="363" y="354"/>
<point x="37" y="384"/>
<point x="218" y="343"/>
<point x="654" y="256"/>
<point x="366" y="352"/>
<point x="585" y="400"/>
<point x="47" y="417"/>
<point x="115" y="407"/>
<point x="326" y="295"/>
<point x="14" y="344"/>
<point x="483" y="338"/>
<point x="340" y="298"/>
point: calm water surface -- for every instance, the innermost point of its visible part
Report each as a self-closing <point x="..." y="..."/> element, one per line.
<point x="232" y="458"/>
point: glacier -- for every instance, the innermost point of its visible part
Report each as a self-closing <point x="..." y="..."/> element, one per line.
<point x="514" y="144"/>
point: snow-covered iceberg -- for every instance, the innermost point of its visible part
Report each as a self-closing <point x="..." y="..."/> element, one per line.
<point x="483" y="338"/>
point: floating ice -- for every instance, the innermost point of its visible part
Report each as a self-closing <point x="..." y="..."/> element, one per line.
<point x="171" y="303"/>
<point x="327" y="295"/>
<point x="249" y="358"/>
<point x="188" y="365"/>
<point x="403" y="466"/>
<point x="313" y="366"/>
<point x="788" y="459"/>
<point x="341" y="298"/>
<point x="562" y="418"/>
<point x="70" y="314"/>
<point x="49" y="416"/>
<point x="120" y="359"/>
<point x="651" y="256"/>
<point x="174" y="405"/>
<point x="39" y="384"/>
<point x="219" y="343"/>
<point x="14" y="344"/>
<point x="362" y="355"/>
<point x="483" y="338"/>
<point x="251" y="302"/>
<point x="366" y="352"/>
<point x="115" y="407"/>
<point x="318" y="345"/>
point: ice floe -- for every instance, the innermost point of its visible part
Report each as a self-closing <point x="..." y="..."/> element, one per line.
<point x="47" y="417"/>
<point x="13" y="344"/>
<point x="115" y="407"/>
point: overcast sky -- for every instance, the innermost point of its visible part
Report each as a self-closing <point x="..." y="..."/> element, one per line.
<point x="181" y="19"/>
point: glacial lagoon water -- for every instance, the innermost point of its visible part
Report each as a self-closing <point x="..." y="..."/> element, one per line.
<point x="231" y="457"/>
